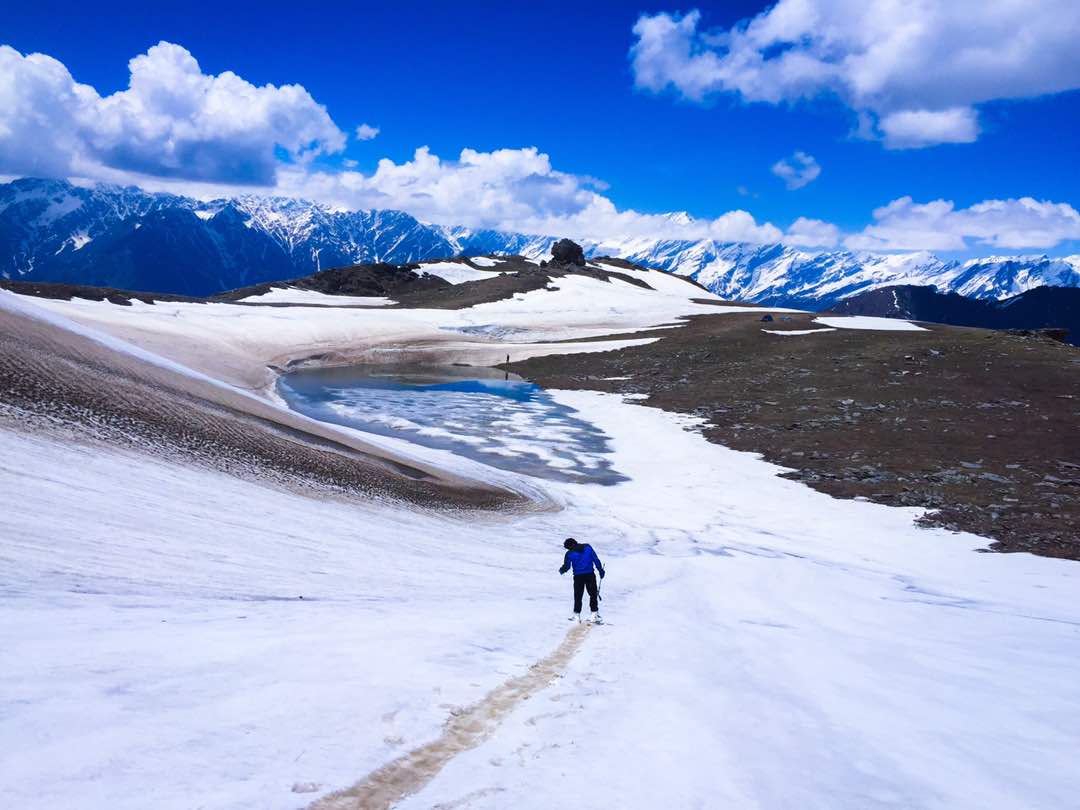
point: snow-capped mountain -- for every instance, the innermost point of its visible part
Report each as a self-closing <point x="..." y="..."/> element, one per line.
<point x="127" y="238"/>
<point x="777" y="274"/>
<point x="124" y="237"/>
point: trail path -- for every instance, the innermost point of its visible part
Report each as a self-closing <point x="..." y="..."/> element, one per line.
<point x="409" y="773"/>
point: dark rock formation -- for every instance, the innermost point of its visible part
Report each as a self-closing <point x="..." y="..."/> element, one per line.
<point x="566" y="252"/>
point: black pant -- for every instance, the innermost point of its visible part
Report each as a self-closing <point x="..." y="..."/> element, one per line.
<point x="581" y="582"/>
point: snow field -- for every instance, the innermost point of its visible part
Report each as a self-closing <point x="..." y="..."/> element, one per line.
<point x="281" y="295"/>
<point x="768" y="646"/>
<point x="457" y="272"/>
<point x="822" y="653"/>
<point x="869" y="322"/>
<point x="157" y="651"/>
<point x="796" y="332"/>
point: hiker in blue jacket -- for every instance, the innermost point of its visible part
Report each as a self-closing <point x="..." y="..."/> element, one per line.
<point x="582" y="558"/>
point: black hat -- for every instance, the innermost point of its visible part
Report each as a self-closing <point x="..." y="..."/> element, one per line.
<point x="570" y="543"/>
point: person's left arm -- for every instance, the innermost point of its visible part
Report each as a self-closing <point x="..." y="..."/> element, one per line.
<point x="565" y="563"/>
<point x="596" y="561"/>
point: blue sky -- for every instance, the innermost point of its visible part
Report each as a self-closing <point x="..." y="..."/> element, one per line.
<point x="560" y="78"/>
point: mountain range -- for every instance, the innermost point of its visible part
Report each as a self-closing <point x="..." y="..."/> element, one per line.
<point x="1055" y="309"/>
<point x="123" y="237"/>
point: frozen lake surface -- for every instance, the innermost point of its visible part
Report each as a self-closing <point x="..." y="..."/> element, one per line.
<point x="480" y="413"/>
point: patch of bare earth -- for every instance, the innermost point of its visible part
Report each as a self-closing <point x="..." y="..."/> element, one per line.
<point x="981" y="427"/>
<point x="464" y="730"/>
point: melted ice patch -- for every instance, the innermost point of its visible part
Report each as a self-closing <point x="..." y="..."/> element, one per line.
<point x="488" y="416"/>
<point x="488" y="331"/>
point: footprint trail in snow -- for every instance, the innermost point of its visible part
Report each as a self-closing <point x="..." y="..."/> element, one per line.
<point x="409" y="773"/>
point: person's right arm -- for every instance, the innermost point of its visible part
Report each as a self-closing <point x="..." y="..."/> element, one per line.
<point x="565" y="563"/>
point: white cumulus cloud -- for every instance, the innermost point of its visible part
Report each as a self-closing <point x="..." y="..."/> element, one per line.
<point x="178" y="129"/>
<point x="939" y="225"/>
<point x="914" y="71"/>
<point x="915" y="128"/>
<point x="510" y="189"/>
<point x="807" y="232"/>
<point x="172" y="121"/>
<point x="366" y="132"/>
<point x="797" y="171"/>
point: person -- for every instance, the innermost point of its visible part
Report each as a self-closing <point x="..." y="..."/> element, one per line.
<point x="582" y="558"/>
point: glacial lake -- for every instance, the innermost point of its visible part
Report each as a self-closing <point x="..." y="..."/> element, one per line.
<point x="483" y="414"/>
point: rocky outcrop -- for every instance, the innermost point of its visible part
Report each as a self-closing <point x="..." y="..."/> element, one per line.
<point x="567" y="252"/>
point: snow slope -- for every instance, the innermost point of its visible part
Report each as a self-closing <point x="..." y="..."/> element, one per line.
<point x="826" y="654"/>
<point x="823" y="654"/>
<point x="768" y="646"/>
<point x="291" y="295"/>
<point x="456" y="272"/>
<point x="867" y="322"/>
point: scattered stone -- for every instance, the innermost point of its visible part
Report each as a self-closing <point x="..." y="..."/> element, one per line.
<point x="1053" y="479"/>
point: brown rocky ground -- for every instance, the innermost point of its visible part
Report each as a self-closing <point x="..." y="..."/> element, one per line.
<point x="982" y="427"/>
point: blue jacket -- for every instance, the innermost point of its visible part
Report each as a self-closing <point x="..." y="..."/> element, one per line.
<point x="582" y="559"/>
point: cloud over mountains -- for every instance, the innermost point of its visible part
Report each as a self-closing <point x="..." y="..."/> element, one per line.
<point x="172" y="121"/>
<point x="176" y="128"/>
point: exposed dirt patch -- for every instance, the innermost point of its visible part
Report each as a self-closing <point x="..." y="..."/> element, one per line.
<point x="464" y="730"/>
<point x="981" y="426"/>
